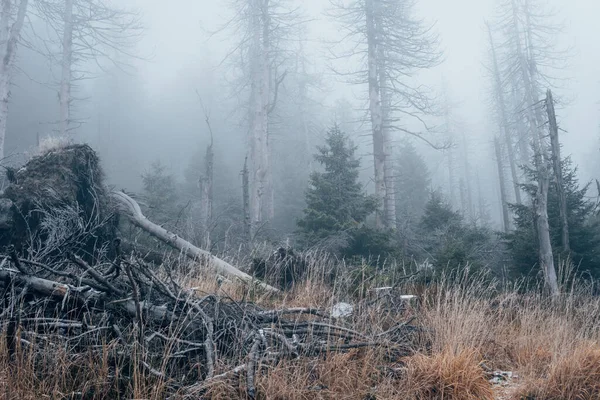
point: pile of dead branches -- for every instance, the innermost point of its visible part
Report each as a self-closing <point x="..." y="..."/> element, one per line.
<point x="185" y="340"/>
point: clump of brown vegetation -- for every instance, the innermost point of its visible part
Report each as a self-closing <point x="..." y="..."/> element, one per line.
<point x="447" y="375"/>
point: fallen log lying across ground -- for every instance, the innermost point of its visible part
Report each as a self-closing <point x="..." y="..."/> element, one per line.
<point x="132" y="210"/>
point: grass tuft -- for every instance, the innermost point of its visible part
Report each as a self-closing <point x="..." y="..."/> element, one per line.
<point x="447" y="375"/>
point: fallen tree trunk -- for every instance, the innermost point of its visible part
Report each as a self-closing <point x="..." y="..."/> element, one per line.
<point x="84" y="295"/>
<point x="133" y="211"/>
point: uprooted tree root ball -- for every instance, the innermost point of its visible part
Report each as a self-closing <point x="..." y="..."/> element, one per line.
<point x="57" y="202"/>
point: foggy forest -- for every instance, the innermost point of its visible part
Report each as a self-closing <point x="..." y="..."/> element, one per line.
<point x="238" y="198"/>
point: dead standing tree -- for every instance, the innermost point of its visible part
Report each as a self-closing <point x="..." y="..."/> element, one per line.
<point x="12" y="17"/>
<point x="391" y="46"/>
<point x="502" y="183"/>
<point x="263" y="30"/>
<point x="528" y="44"/>
<point x="558" y="173"/>
<point x="205" y="182"/>
<point x="84" y="31"/>
<point x="500" y="107"/>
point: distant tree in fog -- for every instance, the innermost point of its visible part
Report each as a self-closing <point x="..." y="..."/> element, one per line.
<point x="84" y="32"/>
<point x="262" y="30"/>
<point x="12" y="17"/>
<point x="413" y="182"/>
<point x="160" y="190"/>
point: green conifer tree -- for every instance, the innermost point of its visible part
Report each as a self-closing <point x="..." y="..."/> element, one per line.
<point x="336" y="204"/>
<point x="584" y="229"/>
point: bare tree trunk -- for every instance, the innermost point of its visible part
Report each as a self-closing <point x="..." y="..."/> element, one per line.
<point x="503" y="200"/>
<point x="376" y="112"/>
<point x="9" y="36"/>
<point x="206" y="186"/>
<point x="504" y="120"/>
<point x="463" y="197"/>
<point x="133" y="211"/>
<point x="389" y="203"/>
<point x="261" y="201"/>
<point x="541" y="209"/>
<point x="267" y="211"/>
<point x="556" y="162"/>
<point x="206" y="195"/>
<point x="246" y="202"/>
<point x="482" y="211"/>
<point x="451" y="177"/>
<point x="66" y="69"/>
<point x="303" y="113"/>
<point x="541" y="160"/>
<point x="468" y="188"/>
<point x="543" y="228"/>
<point x="523" y="136"/>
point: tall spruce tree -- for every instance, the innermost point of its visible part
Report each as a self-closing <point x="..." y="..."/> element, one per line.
<point x="584" y="229"/>
<point x="336" y="203"/>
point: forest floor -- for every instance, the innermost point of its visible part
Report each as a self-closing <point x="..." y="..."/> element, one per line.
<point x="470" y="341"/>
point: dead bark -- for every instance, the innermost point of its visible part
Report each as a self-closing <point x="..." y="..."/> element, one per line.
<point x="134" y="213"/>
<point x="389" y="203"/>
<point x="558" y="174"/>
<point x="64" y="95"/>
<point x="505" y="216"/>
<point x="246" y="202"/>
<point x="468" y="204"/>
<point x="8" y="40"/>
<point x="206" y="186"/>
<point x="376" y="112"/>
<point x="503" y="115"/>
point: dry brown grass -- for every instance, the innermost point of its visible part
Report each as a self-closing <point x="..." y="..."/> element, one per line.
<point x="352" y="376"/>
<point x="468" y="325"/>
<point x="574" y="376"/>
<point x="447" y="375"/>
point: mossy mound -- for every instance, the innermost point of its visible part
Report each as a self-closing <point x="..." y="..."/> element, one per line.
<point x="59" y="200"/>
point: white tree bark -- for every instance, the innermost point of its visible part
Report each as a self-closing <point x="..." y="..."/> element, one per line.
<point x="206" y="195"/>
<point x="556" y="163"/>
<point x="503" y="115"/>
<point x="246" y="202"/>
<point x="468" y="204"/>
<point x="389" y="203"/>
<point x="503" y="200"/>
<point x="64" y="95"/>
<point x="9" y="36"/>
<point x="541" y="158"/>
<point x="261" y="198"/>
<point x="376" y="112"/>
<point x="134" y="213"/>
<point x="543" y="228"/>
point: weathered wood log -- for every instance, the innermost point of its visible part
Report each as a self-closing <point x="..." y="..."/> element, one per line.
<point x="133" y="211"/>
<point x="85" y="296"/>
